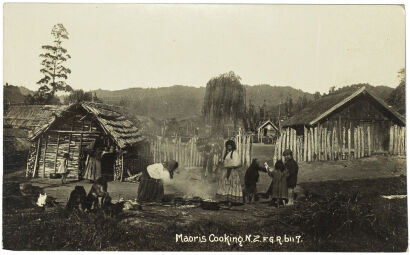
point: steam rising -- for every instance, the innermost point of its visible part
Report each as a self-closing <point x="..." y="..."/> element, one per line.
<point x="188" y="182"/>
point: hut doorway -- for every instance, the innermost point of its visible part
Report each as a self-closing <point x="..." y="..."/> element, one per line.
<point x="107" y="166"/>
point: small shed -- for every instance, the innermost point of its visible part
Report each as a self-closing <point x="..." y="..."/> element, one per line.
<point x="267" y="130"/>
<point x="347" y="110"/>
<point x="74" y="128"/>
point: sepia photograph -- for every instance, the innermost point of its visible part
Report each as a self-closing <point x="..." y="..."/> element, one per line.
<point x="204" y="127"/>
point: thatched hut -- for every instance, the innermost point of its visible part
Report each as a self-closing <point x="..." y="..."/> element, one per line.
<point x="73" y="129"/>
<point x="347" y="110"/>
<point x="18" y="121"/>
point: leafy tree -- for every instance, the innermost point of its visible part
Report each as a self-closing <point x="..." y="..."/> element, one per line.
<point x="224" y="100"/>
<point x="124" y="102"/>
<point x="402" y="75"/>
<point x="332" y="89"/>
<point x="172" y="127"/>
<point x="317" y="95"/>
<point x="78" y="96"/>
<point x="54" y="57"/>
<point x="40" y="97"/>
<point x="398" y="96"/>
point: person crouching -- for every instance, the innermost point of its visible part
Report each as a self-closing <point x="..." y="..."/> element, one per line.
<point x="151" y="187"/>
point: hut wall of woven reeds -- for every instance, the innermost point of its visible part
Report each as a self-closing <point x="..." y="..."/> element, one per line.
<point x="74" y="129"/>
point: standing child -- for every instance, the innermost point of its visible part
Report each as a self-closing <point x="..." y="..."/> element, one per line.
<point x="62" y="169"/>
<point x="279" y="187"/>
<point x="293" y="168"/>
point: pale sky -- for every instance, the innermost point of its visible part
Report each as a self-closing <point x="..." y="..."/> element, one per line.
<point x="134" y="45"/>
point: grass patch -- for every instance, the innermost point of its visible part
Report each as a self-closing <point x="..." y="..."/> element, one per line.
<point x="333" y="216"/>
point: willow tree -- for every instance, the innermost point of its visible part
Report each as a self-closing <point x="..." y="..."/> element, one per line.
<point x="224" y="100"/>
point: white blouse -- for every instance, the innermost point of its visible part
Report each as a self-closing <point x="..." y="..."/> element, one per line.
<point x="235" y="161"/>
<point x="159" y="172"/>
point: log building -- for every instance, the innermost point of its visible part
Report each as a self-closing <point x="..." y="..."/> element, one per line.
<point x="347" y="110"/>
<point x="73" y="129"/>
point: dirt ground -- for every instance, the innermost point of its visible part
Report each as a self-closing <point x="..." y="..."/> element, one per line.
<point x="320" y="199"/>
<point x="188" y="181"/>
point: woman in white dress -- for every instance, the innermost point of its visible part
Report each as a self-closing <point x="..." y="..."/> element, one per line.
<point x="229" y="184"/>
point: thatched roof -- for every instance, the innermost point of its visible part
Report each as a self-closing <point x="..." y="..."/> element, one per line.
<point x="40" y="118"/>
<point x="30" y="117"/>
<point x="115" y="124"/>
<point x="326" y="105"/>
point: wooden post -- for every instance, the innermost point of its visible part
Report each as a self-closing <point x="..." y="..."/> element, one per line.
<point x="28" y="161"/>
<point x="390" y="140"/>
<point x="291" y="141"/>
<point x="318" y="142"/>
<point x="330" y="143"/>
<point x="349" y="143"/>
<point x="404" y="140"/>
<point x="400" y="141"/>
<point x="279" y="142"/>
<point x="122" y="166"/>
<point x="69" y="144"/>
<point x="309" y="144"/>
<point x="304" y="143"/>
<point x="275" y="153"/>
<point x="37" y="156"/>
<point x="369" y="141"/>
<point x="344" y="143"/>
<point x="324" y="132"/>
<point x="81" y="149"/>
<point x="357" y="144"/>
<point x="315" y="136"/>
<point x="288" y="138"/>
<point x="332" y="140"/>
<point x="324" y="143"/>
<point x="362" y="140"/>
<point x="192" y="153"/>
<point x="55" y="159"/>
<point x="294" y="142"/>
<point x="44" y="157"/>
<point x="396" y="140"/>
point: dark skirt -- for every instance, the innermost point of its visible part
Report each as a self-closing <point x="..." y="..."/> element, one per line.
<point x="149" y="189"/>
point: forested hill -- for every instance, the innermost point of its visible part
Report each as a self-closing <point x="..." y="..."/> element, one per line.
<point x="15" y="94"/>
<point x="184" y="101"/>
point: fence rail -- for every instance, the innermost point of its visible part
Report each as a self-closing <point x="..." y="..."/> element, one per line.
<point x="187" y="154"/>
<point x="397" y="141"/>
<point x="335" y="144"/>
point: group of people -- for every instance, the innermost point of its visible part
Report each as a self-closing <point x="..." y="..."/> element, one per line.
<point x="284" y="180"/>
<point x="229" y="188"/>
